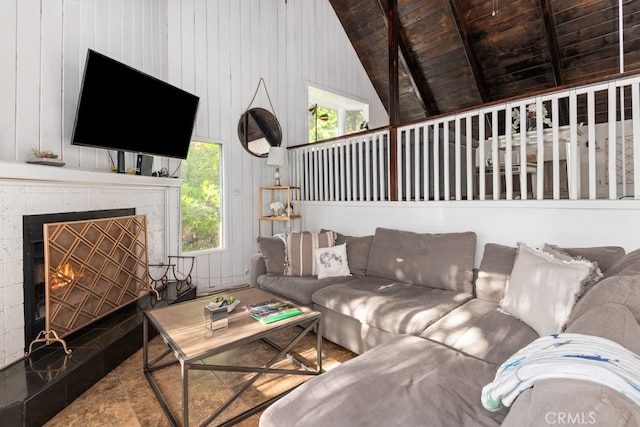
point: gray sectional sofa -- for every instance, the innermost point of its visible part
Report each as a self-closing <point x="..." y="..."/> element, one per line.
<point x="431" y="330"/>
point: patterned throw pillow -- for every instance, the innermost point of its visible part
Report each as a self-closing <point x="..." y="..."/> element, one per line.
<point x="332" y="261"/>
<point x="300" y="246"/>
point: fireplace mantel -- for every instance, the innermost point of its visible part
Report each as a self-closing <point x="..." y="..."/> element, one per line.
<point x="30" y="172"/>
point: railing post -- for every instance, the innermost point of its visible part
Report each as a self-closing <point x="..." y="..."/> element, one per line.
<point x="393" y="164"/>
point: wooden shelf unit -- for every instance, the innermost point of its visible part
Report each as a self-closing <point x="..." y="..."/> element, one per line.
<point x="289" y="196"/>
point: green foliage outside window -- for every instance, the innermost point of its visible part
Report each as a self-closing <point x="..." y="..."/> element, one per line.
<point x="353" y="120"/>
<point x="323" y="123"/>
<point x="201" y="197"/>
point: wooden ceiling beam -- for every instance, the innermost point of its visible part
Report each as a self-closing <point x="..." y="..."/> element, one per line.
<point x="554" y="51"/>
<point x="394" y="79"/>
<point x="418" y="82"/>
<point x="470" y="52"/>
<point x="552" y="41"/>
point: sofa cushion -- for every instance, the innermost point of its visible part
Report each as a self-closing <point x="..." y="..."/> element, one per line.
<point x="495" y="269"/>
<point x="563" y="254"/>
<point x="605" y="256"/>
<point x="497" y="263"/>
<point x="395" y="307"/>
<point x="407" y="381"/>
<point x="566" y="402"/>
<point x="612" y="321"/>
<point x="543" y="289"/>
<point x="298" y="289"/>
<point x="480" y="329"/>
<point x="357" y="252"/>
<point x="628" y="265"/>
<point x="443" y="261"/>
<point x="597" y="404"/>
<point x="299" y="249"/>
<point x="273" y="252"/>
<point x="623" y="290"/>
<point x="332" y="261"/>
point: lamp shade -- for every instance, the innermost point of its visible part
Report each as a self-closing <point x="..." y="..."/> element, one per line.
<point x="277" y="156"/>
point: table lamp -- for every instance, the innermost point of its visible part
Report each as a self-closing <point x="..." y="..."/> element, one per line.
<point x="278" y="158"/>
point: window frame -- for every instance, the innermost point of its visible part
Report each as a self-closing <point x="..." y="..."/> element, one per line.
<point x="223" y="201"/>
<point x="335" y="100"/>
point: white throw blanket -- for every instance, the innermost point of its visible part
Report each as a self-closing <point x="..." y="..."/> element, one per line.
<point x="565" y="355"/>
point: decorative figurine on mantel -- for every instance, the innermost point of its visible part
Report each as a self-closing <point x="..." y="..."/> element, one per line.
<point x="44" y="158"/>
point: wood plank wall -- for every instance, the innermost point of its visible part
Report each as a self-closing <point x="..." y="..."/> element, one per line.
<point x="226" y="47"/>
<point x="218" y="49"/>
<point x="43" y="50"/>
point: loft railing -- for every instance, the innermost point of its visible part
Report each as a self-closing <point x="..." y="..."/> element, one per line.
<point x="577" y="143"/>
<point x="349" y="169"/>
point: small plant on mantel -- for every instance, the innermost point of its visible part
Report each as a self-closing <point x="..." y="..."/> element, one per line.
<point x="37" y="154"/>
<point x="44" y="158"/>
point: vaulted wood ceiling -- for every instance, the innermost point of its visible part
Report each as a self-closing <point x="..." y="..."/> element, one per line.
<point x="455" y="54"/>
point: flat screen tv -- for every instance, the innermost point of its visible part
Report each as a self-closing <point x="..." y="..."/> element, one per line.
<point x="121" y="108"/>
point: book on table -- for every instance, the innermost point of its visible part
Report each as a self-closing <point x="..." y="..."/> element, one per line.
<point x="272" y="310"/>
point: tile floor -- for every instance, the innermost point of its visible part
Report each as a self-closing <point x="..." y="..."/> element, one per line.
<point x="124" y="397"/>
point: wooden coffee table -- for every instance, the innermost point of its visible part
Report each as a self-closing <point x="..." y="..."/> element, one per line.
<point x="181" y="326"/>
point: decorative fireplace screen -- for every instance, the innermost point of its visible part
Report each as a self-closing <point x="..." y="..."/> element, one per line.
<point x="93" y="268"/>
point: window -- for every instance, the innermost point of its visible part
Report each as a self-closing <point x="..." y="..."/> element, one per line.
<point x="332" y="115"/>
<point x="202" y="197"/>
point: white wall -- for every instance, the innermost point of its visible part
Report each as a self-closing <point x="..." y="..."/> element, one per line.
<point x="225" y="47"/>
<point x="218" y="49"/>
<point x="42" y="54"/>
<point x="576" y="223"/>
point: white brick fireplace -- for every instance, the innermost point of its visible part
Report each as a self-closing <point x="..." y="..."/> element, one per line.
<point x="34" y="189"/>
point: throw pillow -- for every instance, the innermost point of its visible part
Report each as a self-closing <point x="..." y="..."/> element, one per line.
<point x="299" y="249"/>
<point x="273" y="252"/>
<point x="357" y="251"/>
<point x="332" y="261"/>
<point x="495" y="269"/>
<point x="563" y="254"/>
<point x="542" y="289"/>
<point x="605" y="256"/>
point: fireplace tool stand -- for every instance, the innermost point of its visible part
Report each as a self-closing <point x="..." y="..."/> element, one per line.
<point x="181" y="268"/>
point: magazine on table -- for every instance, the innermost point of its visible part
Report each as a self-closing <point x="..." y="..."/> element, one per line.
<point x="272" y="310"/>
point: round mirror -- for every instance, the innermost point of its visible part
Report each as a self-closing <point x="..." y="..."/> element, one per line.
<point x="259" y="130"/>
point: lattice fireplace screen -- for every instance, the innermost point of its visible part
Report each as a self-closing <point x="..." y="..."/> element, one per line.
<point x="93" y="268"/>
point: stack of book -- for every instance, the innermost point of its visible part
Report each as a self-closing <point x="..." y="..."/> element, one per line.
<point x="272" y="311"/>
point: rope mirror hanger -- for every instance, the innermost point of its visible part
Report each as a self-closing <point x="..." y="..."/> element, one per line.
<point x="258" y="128"/>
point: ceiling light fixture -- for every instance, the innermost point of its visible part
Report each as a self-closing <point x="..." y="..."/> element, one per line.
<point x="495" y="7"/>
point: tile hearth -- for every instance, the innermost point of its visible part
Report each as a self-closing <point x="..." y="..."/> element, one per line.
<point x="124" y="397"/>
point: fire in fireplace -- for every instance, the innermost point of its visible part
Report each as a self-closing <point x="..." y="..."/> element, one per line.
<point x="63" y="276"/>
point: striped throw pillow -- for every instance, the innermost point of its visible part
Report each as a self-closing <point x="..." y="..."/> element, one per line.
<point x="300" y="246"/>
